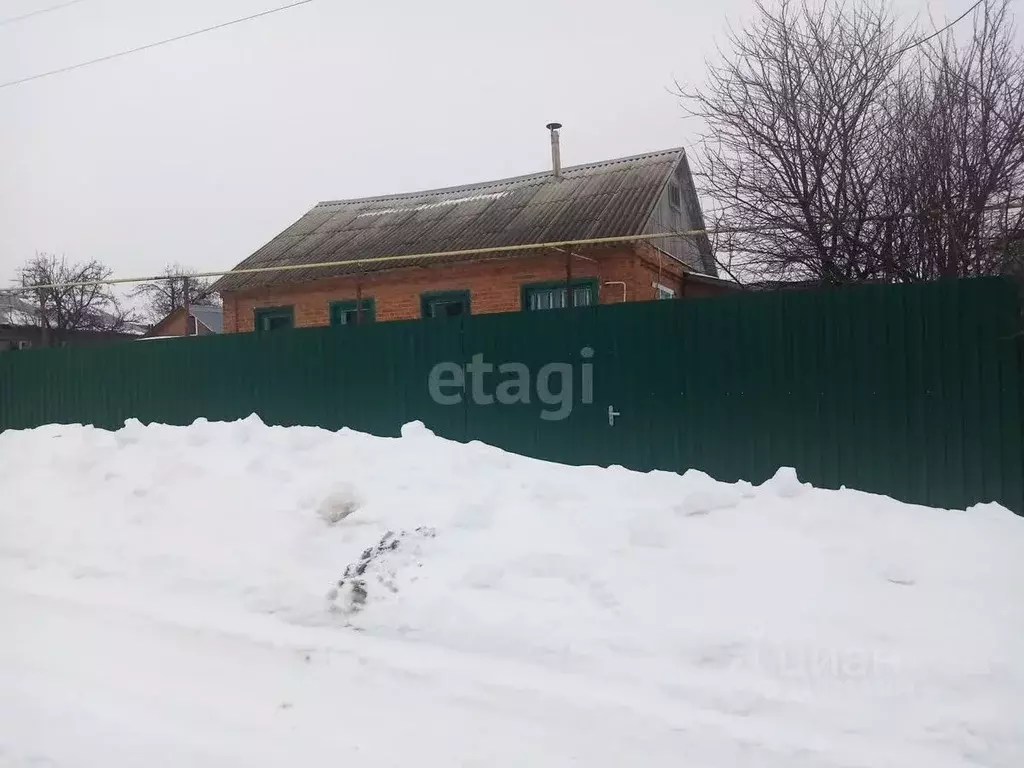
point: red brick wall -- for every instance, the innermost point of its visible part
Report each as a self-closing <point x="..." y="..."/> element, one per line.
<point x="659" y="268"/>
<point x="494" y="286"/>
<point x="175" y="326"/>
<point x="171" y="326"/>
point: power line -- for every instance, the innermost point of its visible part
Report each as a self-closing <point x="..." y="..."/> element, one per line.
<point x="369" y="260"/>
<point x="938" y="32"/>
<point x="146" y="47"/>
<point x="41" y="11"/>
<point x="453" y="253"/>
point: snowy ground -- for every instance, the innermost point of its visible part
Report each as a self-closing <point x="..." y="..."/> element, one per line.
<point x="170" y="597"/>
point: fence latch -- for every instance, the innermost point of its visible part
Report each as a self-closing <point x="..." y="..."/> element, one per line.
<point x="612" y="413"/>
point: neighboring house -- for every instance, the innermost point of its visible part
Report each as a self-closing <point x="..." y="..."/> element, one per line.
<point x="20" y="329"/>
<point x="375" y="278"/>
<point x="202" y="321"/>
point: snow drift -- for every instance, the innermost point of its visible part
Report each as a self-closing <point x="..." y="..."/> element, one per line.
<point x="237" y="594"/>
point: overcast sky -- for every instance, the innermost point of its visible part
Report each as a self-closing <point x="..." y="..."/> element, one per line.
<point x="199" y="151"/>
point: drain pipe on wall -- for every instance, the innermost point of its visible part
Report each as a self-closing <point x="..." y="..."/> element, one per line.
<point x="570" y="296"/>
<point x="359" y="300"/>
<point x="581" y="256"/>
<point x="619" y="282"/>
<point x="569" y="254"/>
<point x="599" y="283"/>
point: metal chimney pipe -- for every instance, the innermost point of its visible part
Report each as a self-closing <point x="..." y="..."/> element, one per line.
<point x="556" y="154"/>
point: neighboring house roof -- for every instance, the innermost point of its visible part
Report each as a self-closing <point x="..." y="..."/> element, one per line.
<point x="210" y="316"/>
<point x="613" y="198"/>
<point x="15" y="311"/>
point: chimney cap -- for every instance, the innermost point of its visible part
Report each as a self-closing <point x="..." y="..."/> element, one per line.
<point x="553" y="126"/>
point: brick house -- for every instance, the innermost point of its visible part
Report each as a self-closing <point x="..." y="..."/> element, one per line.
<point x="401" y="257"/>
<point x="201" y="321"/>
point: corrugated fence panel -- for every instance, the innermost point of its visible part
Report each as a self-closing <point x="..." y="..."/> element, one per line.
<point x="914" y="391"/>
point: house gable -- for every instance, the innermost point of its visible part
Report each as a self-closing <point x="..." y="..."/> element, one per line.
<point x="678" y="210"/>
<point x="204" y="320"/>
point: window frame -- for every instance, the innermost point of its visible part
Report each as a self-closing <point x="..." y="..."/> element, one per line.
<point x="579" y="282"/>
<point x="463" y="295"/>
<point x="259" y="313"/>
<point x="673" y="187"/>
<point x="351" y="305"/>
<point x="659" y="288"/>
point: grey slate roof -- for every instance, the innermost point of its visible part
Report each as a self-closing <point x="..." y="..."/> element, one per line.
<point x="211" y="317"/>
<point x="606" y="199"/>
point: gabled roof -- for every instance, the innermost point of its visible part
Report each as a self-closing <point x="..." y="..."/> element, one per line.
<point x="614" y="198"/>
<point x="19" y="312"/>
<point x="15" y="311"/>
<point x="210" y="316"/>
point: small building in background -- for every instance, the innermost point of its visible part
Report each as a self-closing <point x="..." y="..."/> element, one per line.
<point x="21" y="329"/>
<point x="200" y="321"/>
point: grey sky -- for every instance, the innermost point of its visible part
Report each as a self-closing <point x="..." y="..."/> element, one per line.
<point x="199" y="151"/>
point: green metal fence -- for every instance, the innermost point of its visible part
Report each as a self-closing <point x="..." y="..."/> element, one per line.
<point x="913" y="391"/>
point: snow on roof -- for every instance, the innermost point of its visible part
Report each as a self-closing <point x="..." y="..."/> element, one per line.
<point x="16" y="311"/>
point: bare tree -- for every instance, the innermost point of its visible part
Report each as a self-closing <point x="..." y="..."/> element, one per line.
<point x="164" y="296"/>
<point x="71" y="297"/>
<point x="795" y="146"/>
<point x="958" y="171"/>
<point x="840" y="148"/>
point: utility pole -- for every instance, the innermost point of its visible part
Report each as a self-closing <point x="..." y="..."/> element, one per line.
<point x="44" y="325"/>
<point x="359" y="300"/>
<point x="185" y="297"/>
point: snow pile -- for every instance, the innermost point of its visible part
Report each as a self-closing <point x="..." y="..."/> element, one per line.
<point x="236" y="594"/>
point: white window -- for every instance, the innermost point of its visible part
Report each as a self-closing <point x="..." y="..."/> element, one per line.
<point x="663" y="291"/>
<point x="24" y="344"/>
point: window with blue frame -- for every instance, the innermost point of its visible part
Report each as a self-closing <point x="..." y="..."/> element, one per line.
<point x="553" y="295"/>
<point x="444" y="304"/>
<point x="347" y="312"/>
<point x="273" y="318"/>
